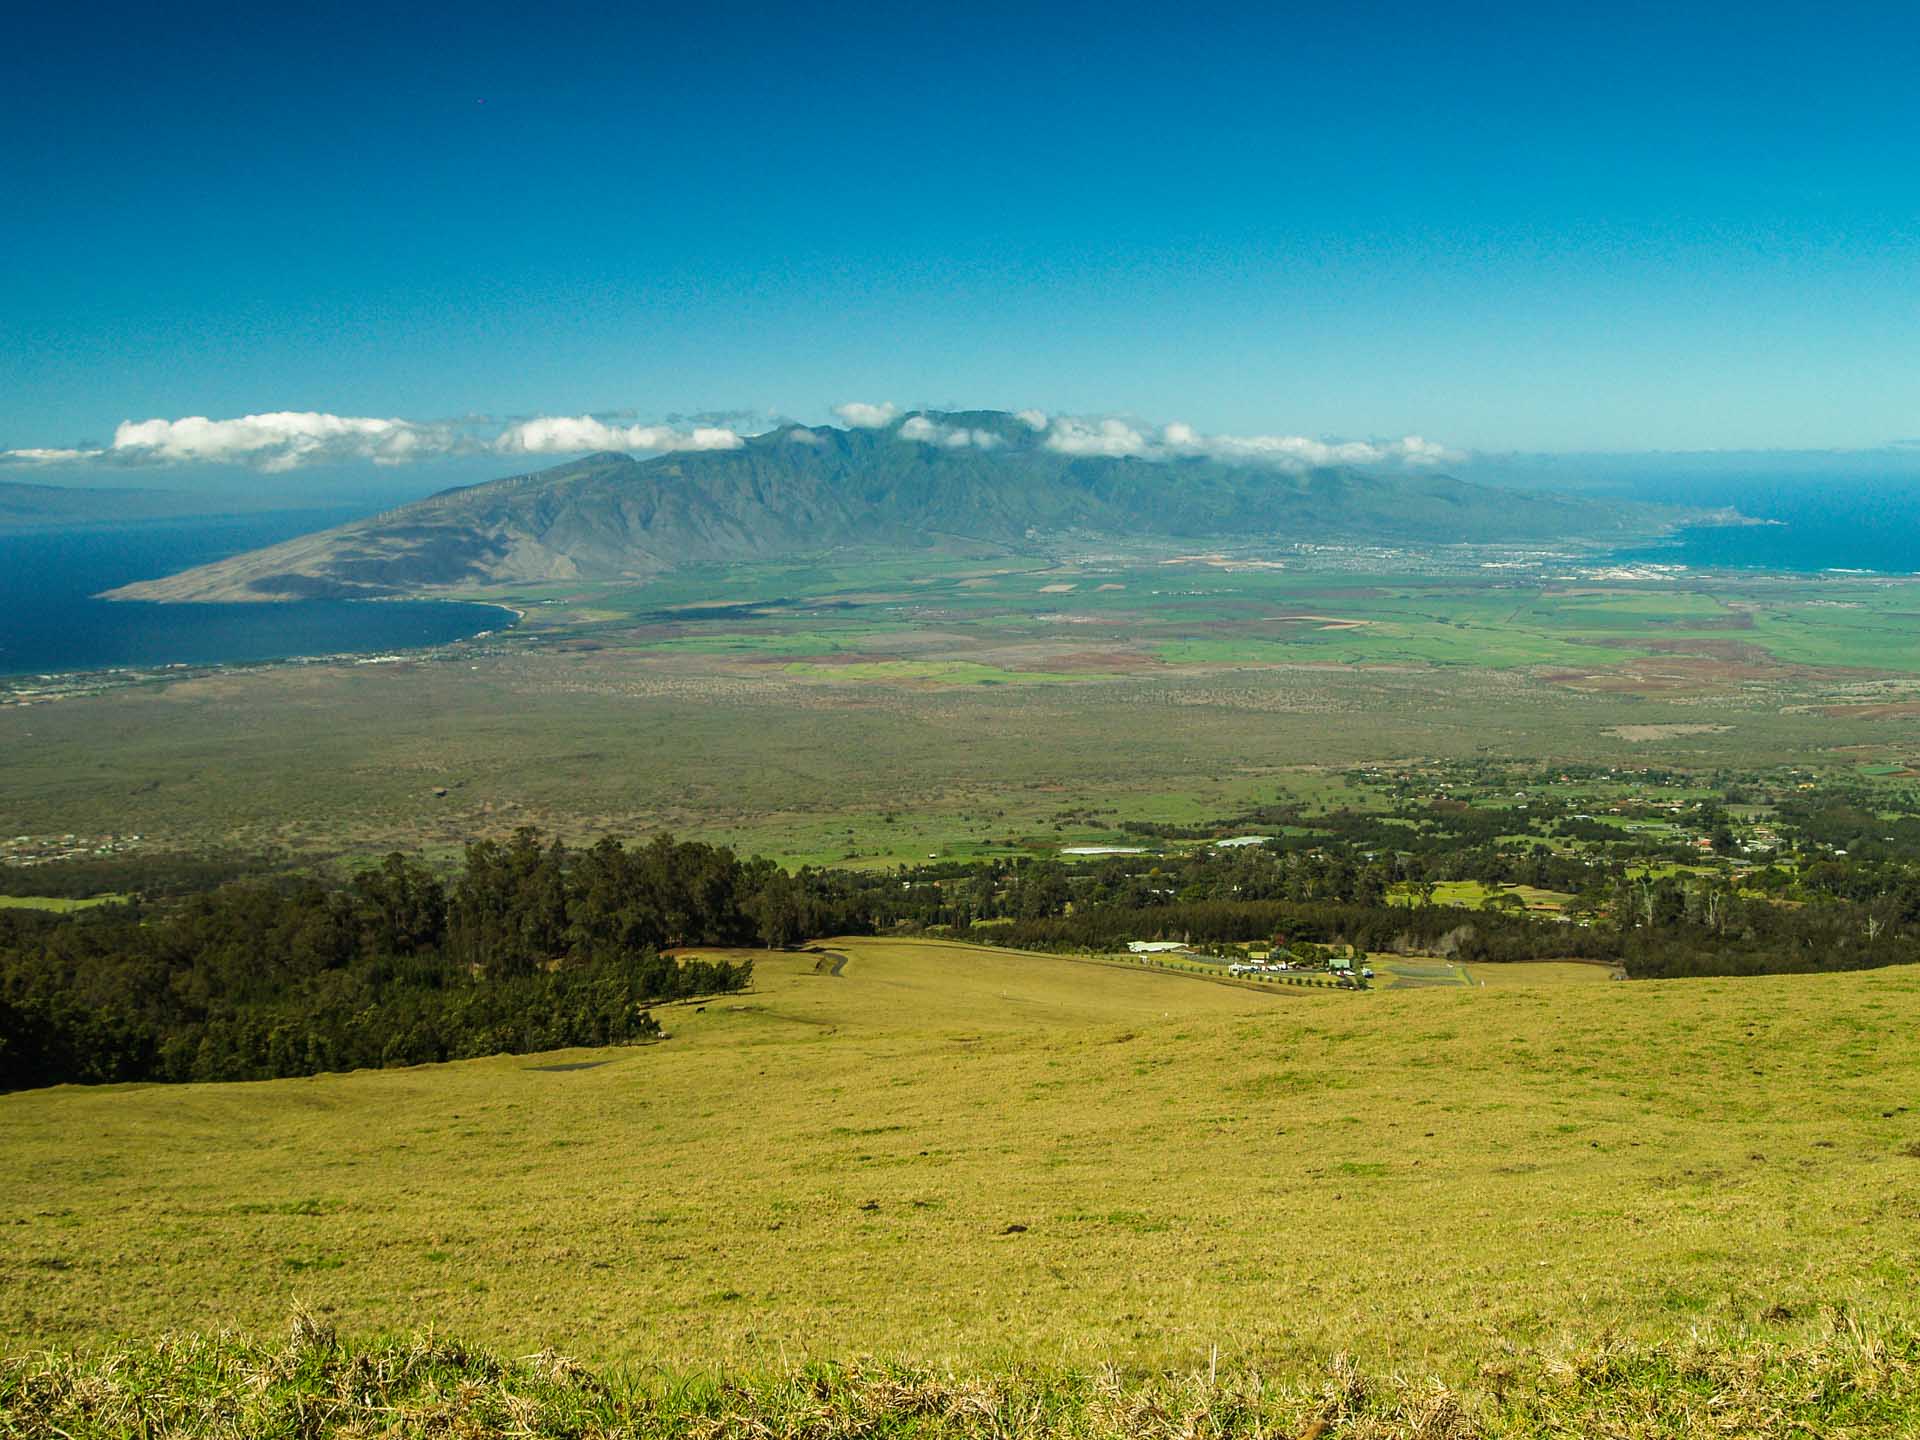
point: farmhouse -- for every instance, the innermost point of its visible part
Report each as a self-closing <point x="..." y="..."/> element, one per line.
<point x="1153" y="947"/>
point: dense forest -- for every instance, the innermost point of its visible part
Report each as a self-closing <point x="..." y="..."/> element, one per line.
<point x="530" y="947"/>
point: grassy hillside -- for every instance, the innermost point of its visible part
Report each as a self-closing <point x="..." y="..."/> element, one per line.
<point x="940" y="1154"/>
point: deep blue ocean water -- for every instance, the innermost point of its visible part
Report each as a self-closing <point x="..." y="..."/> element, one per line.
<point x="1870" y="523"/>
<point x="49" y="621"/>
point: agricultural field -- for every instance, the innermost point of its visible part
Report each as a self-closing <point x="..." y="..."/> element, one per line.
<point x="937" y="1154"/>
<point x="1116" y="615"/>
<point x="871" y="714"/>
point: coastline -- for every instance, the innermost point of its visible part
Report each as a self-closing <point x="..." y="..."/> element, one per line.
<point x="50" y="679"/>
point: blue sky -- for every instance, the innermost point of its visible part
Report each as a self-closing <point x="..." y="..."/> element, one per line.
<point x="1497" y="226"/>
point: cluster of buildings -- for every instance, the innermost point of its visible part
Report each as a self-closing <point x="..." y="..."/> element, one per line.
<point x="47" y="849"/>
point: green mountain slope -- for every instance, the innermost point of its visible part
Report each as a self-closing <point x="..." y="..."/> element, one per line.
<point x="796" y="491"/>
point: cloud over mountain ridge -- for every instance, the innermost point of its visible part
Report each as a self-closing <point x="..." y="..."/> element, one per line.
<point x="283" y="440"/>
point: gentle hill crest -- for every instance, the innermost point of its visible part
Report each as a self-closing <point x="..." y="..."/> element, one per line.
<point x="971" y="479"/>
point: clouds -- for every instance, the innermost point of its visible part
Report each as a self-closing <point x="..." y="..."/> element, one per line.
<point x="1071" y="435"/>
<point x="277" y="441"/>
<point x="954" y="437"/>
<point x="570" y="435"/>
<point x="858" y="416"/>
<point x="42" y="456"/>
<point x="1301" y="452"/>
<point x="1418" y="450"/>
<point x="1111" y="438"/>
<point x="282" y="440"/>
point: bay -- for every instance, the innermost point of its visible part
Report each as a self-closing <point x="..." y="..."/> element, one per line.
<point x="1807" y="525"/>
<point x="51" y="623"/>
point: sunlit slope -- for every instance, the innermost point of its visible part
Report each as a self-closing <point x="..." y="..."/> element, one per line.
<point x="946" y="1153"/>
<point x="804" y="492"/>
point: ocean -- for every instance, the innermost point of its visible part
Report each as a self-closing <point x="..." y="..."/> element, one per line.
<point x="1812" y="525"/>
<point x="50" y="622"/>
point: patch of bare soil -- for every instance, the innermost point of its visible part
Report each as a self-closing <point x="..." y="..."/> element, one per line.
<point x="1093" y="662"/>
<point x="1662" y="732"/>
<point x="1733" y="650"/>
<point x="1885" y="710"/>
<point x="1667" y="675"/>
<point x="1325" y="622"/>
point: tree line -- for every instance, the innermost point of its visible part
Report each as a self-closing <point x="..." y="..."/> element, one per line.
<point x="1833" y="914"/>
<point x="529" y="947"/>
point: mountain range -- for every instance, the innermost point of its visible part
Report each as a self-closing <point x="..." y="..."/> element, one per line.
<point x="980" y="481"/>
<point x="24" y="506"/>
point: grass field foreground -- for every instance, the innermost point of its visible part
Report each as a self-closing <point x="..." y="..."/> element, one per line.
<point x="940" y="1155"/>
<point x="1857" y="1381"/>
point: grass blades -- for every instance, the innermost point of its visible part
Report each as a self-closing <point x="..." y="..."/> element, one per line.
<point x="1853" y="1379"/>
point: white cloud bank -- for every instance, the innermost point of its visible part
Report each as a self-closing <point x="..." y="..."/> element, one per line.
<point x="286" y="439"/>
<point x="1112" y="438"/>
<point x="281" y="440"/>
<point x="569" y="435"/>
<point x="1301" y="452"/>
<point x="41" y="456"/>
<point x="954" y="437"/>
<point x="1073" y="435"/>
<point x="860" y="416"/>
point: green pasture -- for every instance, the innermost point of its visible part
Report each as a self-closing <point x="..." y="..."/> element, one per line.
<point x="951" y="1155"/>
<point x="937" y="672"/>
<point x="60" y="904"/>
<point x="1200" y="615"/>
<point x="1540" y="972"/>
<point x="1473" y="894"/>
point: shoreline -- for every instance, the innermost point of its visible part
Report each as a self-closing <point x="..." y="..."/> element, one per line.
<point x="93" y="678"/>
